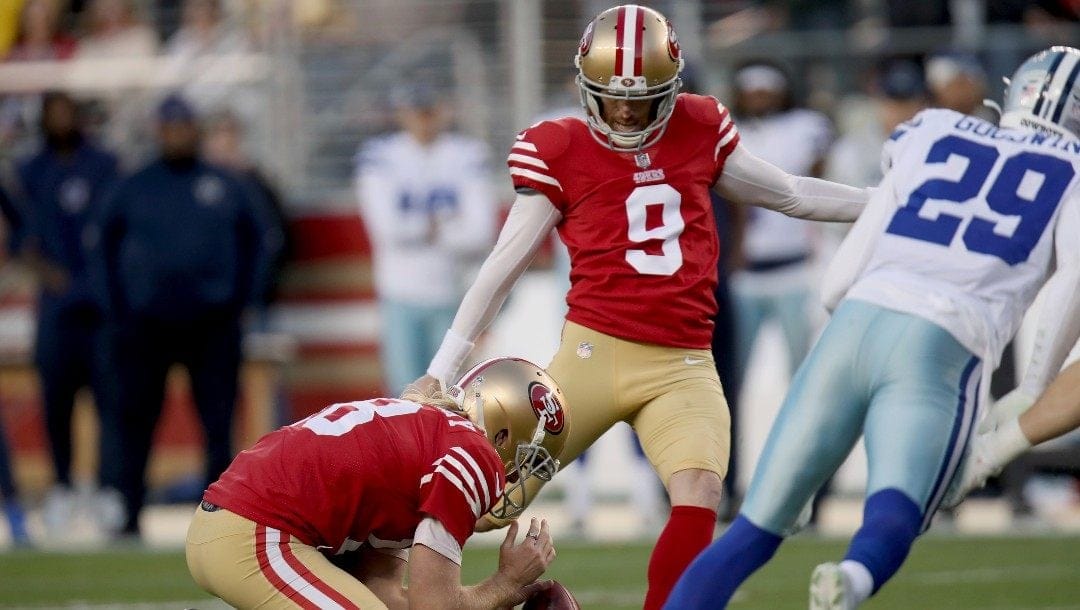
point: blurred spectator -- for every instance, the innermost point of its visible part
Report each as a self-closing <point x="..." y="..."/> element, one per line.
<point x="205" y="38"/>
<point x="774" y="281"/>
<point x="224" y="145"/>
<point x="10" y="221"/>
<point x="898" y="94"/>
<point x="40" y="39"/>
<point x="40" y="35"/>
<point x="64" y="185"/>
<point x="958" y="82"/>
<point x="113" y="29"/>
<point x="426" y="200"/>
<point x="184" y="249"/>
<point x="205" y="31"/>
<point x="773" y="269"/>
<point x="115" y="32"/>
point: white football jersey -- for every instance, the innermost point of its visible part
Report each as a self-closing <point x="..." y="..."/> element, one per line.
<point x="793" y="141"/>
<point x="403" y="187"/>
<point x="965" y="226"/>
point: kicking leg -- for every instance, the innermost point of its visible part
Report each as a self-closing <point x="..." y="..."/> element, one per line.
<point x="685" y="433"/>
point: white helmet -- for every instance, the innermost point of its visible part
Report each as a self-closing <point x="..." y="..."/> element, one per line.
<point x="1044" y="93"/>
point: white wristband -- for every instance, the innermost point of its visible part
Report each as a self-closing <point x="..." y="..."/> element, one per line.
<point x="1009" y="442"/>
<point x="448" y="360"/>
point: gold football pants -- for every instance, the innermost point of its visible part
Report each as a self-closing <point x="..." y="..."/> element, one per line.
<point x="671" y="396"/>
<point x="249" y="565"/>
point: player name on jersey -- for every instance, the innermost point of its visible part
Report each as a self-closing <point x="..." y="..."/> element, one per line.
<point x="980" y="127"/>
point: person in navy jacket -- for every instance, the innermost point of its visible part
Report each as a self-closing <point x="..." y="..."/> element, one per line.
<point x="63" y="186"/>
<point x="184" y="249"/>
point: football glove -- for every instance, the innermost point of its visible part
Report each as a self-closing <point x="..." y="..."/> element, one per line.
<point x="1009" y="406"/>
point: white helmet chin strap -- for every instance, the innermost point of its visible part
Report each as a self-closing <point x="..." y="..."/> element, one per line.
<point x="541" y="425"/>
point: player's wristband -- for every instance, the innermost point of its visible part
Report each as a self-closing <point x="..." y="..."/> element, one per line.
<point x="448" y="360"/>
<point x="1009" y="442"/>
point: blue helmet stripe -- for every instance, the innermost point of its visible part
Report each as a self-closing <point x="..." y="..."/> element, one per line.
<point x="1046" y="84"/>
<point x="1066" y="92"/>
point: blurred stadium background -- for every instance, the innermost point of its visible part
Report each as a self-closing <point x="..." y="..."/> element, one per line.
<point x="312" y="82"/>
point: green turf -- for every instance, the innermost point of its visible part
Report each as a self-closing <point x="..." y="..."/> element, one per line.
<point x="942" y="574"/>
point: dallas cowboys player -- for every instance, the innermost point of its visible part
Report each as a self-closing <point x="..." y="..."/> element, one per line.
<point x="927" y="289"/>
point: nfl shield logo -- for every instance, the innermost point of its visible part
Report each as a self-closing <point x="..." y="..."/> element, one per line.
<point x="643" y="160"/>
<point x="584" y="350"/>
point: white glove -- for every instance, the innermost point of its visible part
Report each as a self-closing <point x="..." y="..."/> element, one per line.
<point x="1009" y="406"/>
<point x="989" y="453"/>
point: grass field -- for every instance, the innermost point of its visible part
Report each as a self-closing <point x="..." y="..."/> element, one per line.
<point x="942" y="573"/>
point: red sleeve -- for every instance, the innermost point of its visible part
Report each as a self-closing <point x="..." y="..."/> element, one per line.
<point x="727" y="139"/>
<point x="463" y="485"/>
<point x="532" y="161"/>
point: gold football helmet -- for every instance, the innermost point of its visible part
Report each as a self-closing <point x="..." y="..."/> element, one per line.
<point x="629" y="52"/>
<point x="522" y="411"/>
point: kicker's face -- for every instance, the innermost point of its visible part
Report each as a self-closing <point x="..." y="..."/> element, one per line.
<point x="625" y="116"/>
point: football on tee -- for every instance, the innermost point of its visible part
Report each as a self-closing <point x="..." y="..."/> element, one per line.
<point x="555" y="598"/>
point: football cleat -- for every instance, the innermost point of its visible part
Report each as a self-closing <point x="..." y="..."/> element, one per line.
<point x="829" y="588"/>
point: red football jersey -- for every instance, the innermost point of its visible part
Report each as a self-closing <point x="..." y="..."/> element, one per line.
<point x="365" y="472"/>
<point x="639" y="225"/>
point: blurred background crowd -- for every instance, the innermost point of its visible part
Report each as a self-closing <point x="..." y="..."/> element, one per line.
<point x="287" y="198"/>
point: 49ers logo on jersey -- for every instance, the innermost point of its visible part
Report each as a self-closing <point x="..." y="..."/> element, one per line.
<point x="673" y="49"/>
<point x="544" y="402"/>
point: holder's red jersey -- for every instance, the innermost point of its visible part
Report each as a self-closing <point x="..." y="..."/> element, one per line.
<point x="639" y="225"/>
<point x="365" y="472"/>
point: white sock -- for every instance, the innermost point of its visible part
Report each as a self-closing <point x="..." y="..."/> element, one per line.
<point x="862" y="583"/>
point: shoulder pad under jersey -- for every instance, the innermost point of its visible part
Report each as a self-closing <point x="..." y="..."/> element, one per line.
<point x="703" y="109"/>
<point x="551" y="138"/>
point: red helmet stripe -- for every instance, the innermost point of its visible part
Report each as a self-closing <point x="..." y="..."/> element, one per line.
<point x="639" y="33"/>
<point x="620" y="39"/>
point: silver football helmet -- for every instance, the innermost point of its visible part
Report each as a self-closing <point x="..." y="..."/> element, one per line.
<point x="1044" y="93"/>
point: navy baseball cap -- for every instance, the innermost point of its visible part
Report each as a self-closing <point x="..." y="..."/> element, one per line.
<point x="176" y="109"/>
<point x="902" y="80"/>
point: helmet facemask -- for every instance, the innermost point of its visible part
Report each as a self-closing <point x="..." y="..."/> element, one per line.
<point x="604" y="133"/>
<point x="530" y="460"/>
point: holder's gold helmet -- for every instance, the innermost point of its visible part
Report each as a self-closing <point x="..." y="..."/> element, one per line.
<point x="629" y="52"/>
<point x="522" y="411"/>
